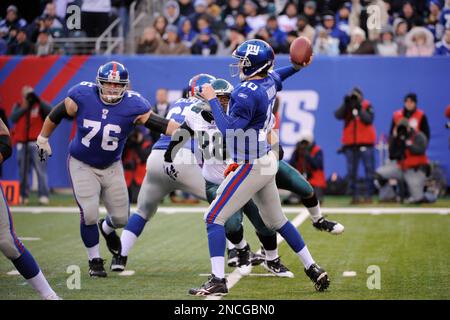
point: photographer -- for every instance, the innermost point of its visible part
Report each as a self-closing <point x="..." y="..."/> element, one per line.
<point x="307" y="158"/>
<point x="358" y="141"/>
<point x="415" y="116"/>
<point x="407" y="148"/>
<point x="28" y="117"/>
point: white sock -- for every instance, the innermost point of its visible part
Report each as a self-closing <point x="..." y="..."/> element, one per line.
<point x="242" y="244"/>
<point x="106" y="228"/>
<point x="218" y="266"/>
<point x="40" y="284"/>
<point x="271" y="254"/>
<point x="230" y="245"/>
<point x="94" y="252"/>
<point x="306" y="257"/>
<point x="128" y="240"/>
<point x="315" y="213"/>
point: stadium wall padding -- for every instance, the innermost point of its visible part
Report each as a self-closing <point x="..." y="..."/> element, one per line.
<point x="307" y="102"/>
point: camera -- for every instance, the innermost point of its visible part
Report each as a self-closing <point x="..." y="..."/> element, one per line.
<point x="402" y="132"/>
<point x="32" y="98"/>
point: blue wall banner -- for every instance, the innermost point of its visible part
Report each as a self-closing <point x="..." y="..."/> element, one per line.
<point x="307" y="102"/>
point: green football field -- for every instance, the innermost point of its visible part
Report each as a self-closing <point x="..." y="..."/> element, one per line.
<point x="411" y="252"/>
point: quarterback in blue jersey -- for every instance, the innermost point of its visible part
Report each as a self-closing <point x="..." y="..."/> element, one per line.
<point x="105" y="114"/>
<point x="247" y="129"/>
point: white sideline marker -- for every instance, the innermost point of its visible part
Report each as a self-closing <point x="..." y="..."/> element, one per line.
<point x="289" y="209"/>
<point x="29" y="239"/>
<point x="235" y="276"/>
<point x="13" y="273"/>
<point x="127" y="273"/>
<point x="349" y="274"/>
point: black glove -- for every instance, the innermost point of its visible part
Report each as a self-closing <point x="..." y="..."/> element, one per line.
<point x="171" y="171"/>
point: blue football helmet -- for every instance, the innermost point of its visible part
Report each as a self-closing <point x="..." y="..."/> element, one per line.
<point x="254" y="56"/>
<point x="196" y="83"/>
<point x="116" y="73"/>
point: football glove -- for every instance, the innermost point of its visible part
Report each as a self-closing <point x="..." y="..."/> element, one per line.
<point x="232" y="167"/>
<point x="44" y="149"/>
<point x="171" y="171"/>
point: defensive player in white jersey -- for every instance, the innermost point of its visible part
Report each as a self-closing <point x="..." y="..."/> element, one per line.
<point x="159" y="181"/>
<point x="246" y="127"/>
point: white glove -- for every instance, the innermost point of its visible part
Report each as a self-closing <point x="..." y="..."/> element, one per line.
<point x="44" y="149"/>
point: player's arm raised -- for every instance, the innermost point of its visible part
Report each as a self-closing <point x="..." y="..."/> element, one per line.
<point x="66" y="109"/>
<point x="5" y="142"/>
<point x="285" y="72"/>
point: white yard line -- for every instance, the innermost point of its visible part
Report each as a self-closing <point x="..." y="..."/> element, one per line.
<point x="196" y="210"/>
<point x="29" y="239"/>
<point x="235" y="276"/>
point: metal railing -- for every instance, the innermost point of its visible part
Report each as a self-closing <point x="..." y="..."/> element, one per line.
<point x="107" y="42"/>
<point x="72" y="46"/>
<point x="134" y="22"/>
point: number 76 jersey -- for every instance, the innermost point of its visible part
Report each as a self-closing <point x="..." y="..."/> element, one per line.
<point x="102" y="129"/>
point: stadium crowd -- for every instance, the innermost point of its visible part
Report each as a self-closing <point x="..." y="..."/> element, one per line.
<point x="216" y="27"/>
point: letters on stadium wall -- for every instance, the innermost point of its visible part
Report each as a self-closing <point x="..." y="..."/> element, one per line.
<point x="307" y="102"/>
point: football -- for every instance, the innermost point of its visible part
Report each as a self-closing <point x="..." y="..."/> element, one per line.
<point x="300" y="50"/>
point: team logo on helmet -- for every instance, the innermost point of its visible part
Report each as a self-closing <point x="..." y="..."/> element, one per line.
<point x="114" y="75"/>
<point x="252" y="49"/>
<point x="108" y="74"/>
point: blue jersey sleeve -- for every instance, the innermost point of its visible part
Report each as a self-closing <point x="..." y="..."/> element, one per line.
<point x="137" y="104"/>
<point x="281" y="74"/>
<point x="78" y="91"/>
<point x="143" y="105"/>
<point x="240" y="115"/>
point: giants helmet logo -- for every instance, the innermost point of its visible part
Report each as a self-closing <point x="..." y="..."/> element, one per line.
<point x="252" y="49"/>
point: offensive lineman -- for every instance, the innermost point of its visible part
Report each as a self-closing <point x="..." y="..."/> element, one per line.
<point x="246" y="127"/>
<point x="106" y="112"/>
<point x="10" y="245"/>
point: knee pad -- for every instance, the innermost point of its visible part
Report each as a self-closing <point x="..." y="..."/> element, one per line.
<point x="119" y="222"/>
<point x="9" y="249"/>
<point x="279" y="223"/>
<point x="146" y="209"/>
<point x="90" y="216"/>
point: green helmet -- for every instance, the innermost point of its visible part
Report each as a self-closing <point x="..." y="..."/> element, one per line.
<point x="222" y="87"/>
